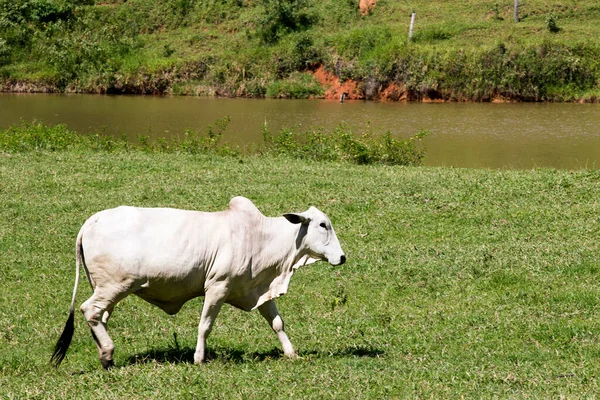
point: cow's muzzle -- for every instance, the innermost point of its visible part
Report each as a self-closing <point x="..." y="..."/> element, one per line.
<point x="342" y="260"/>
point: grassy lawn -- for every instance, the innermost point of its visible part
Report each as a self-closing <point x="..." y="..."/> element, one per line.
<point x="459" y="282"/>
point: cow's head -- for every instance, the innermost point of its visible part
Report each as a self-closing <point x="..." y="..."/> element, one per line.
<point x="317" y="236"/>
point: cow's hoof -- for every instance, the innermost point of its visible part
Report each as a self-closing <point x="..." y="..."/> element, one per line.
<point x="199" y="359"/>
<point x="107" y="364"/>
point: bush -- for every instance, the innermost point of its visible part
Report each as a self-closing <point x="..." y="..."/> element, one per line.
<point x="297" y="52"/>
<point x="343" y="145"/>
<point x="35" y="11"/>
<point x="297" y="86"/>
<point x="281" y="17"/>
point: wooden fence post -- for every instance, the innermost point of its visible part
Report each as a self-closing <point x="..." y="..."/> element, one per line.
<point x="412" y="24"/>
<point x="516" y="10"/>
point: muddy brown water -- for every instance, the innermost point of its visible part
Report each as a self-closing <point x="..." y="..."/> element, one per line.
<point x="505" y="135"/>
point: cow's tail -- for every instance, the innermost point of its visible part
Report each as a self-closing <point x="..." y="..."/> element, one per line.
<point x="60" y="350"/>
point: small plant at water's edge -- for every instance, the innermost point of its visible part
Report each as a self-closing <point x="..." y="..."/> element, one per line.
<point x="195" y="142"/>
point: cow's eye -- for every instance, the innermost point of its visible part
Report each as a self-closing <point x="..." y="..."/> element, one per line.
<point x="322" y="225"/>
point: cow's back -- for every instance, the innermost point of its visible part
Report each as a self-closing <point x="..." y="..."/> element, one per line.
<point x="164" y="254"/>
<point x="152" y="234"/>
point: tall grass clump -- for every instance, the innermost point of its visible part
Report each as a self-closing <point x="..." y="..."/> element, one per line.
<point x="551" y="24"/>
<point x="297" y="86"/>
<point x="343" y="145"/>
<point x="35" y="136"/>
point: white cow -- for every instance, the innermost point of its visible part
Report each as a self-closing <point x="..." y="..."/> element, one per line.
<point x="168" y="256"/>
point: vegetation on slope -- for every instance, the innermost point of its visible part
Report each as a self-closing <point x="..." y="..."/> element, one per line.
<point x="461" y="50"/>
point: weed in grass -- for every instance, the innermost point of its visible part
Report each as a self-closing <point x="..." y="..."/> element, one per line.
<point x="551" y="24"/>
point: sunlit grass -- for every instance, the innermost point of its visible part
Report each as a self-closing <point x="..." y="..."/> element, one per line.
<point x="459" y="282"/>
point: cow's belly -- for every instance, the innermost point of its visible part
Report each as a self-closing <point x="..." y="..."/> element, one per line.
<point x="170" y="296"/>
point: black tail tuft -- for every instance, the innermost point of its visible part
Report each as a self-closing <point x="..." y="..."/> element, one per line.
<point x="60" y="350"/>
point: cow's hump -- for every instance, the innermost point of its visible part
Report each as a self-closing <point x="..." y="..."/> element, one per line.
<point x="242" y="204"/>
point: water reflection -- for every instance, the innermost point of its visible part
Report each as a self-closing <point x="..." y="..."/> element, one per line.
<point x="514" y="135"/>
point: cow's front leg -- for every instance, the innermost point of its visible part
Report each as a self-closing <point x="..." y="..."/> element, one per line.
<point x="213" y="301"/>
<point x="269" y="311"/>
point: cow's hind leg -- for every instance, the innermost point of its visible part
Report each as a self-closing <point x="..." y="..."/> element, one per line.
<point x="213" y="301"/>
<point x="97" y="310"/>
<point x="269" y="311"/>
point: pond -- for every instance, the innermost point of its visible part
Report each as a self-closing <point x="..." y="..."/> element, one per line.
<point x="480" y="135"/>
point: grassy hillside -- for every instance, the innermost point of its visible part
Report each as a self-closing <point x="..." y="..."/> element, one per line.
<point x="461" y="50"/>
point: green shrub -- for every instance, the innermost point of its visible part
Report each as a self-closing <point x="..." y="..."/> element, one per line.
<point x="281" y="17"/>
<point x="297" y="52"/>
<point x="37" y="136"/>
<point x="297" y="86"/>
<point x="4" y="52"/>
<point x="35" y="11"/>
<point x="343" y="145"/>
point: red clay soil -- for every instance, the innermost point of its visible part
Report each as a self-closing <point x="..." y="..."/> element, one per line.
<point x="354" y="90"/>
<point x="334" y="88"/>
<point x="394" y="92"/>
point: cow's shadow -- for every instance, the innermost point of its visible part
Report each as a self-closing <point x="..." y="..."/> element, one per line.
<point x="239" y="356"/>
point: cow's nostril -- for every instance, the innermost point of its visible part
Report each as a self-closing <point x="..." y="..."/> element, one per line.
<point x="342" y="259"/>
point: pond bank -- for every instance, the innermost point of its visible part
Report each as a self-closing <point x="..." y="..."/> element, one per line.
<point x="317" y="83"/>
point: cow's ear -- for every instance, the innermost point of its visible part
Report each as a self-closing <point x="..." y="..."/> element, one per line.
<point x="296" y="218"/>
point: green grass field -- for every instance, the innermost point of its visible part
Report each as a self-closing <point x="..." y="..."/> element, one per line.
<point x="474" y="283"/>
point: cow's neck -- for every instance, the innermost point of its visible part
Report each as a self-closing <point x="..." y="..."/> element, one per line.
<point x="283" y="245"/>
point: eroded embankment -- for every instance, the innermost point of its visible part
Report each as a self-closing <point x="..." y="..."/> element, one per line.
<point x="191" y="79"/>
